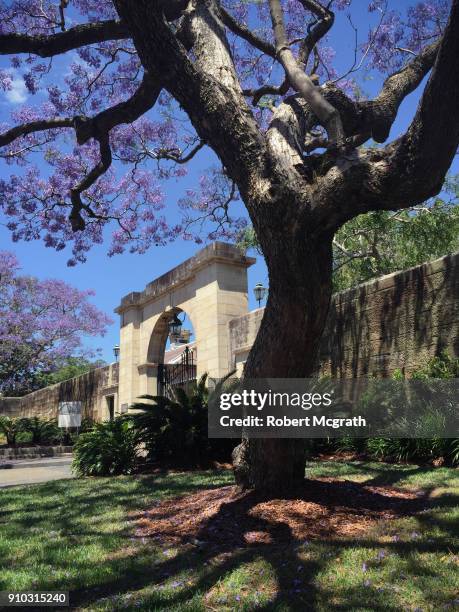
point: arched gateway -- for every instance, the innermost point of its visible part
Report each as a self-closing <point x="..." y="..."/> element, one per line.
<point x="211" y="288"/>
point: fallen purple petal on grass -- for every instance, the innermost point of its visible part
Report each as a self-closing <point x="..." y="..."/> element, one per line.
<point x="176" y="584"/>
<point x="364" y="567"/>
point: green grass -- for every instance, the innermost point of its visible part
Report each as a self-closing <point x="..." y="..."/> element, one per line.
<point x="80" y="536"/>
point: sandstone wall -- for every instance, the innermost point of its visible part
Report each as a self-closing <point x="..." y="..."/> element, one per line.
<point x="91" y="388"/>
<point x="398" y="321"/>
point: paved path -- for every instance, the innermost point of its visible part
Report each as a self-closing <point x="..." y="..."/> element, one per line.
<point x="31" y="471"/>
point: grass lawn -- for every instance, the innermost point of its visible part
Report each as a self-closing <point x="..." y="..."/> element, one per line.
<point x="80" y="536"/>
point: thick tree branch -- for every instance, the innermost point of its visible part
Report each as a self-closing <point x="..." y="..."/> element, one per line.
<point x="413" y="168"/>
<point x="325" y="20"/>
<point x="210" y="44"/>
<point x="266" y="90"/>
<point x="373" y="118"/>
<point x="382" y="111"/>
<point x="125" y="112"/>
<point x="55" y="44"/>
<point x="94" y="127"/>
<point x="325" y="112"/>
<point x="243" y="32"/>
<point x="75" y="218"/>
<point x="33" y="126"/>
<point x="423" y="156"/>
<point x="218" y="112"/>
<point x="97" y="127"/>
<point x="308" y="45"/>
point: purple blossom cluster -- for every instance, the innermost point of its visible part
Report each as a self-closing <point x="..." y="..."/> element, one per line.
<point x="41" y="322"/>
<point x="212" y="200"/>
<point x="129" y="200"/>
<point x="399" y="34"/>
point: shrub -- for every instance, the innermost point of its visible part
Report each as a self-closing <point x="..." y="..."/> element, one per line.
<point x="41" y="430"/>
<point x="10" y="428"/>
<point x="442" y="366"/>
<point x="87" y="424"/>
<point x="426" y="443"/>
<point x="106" y="450"/>
<point x="413" y="449"/>
<point x="348" y="444"/>
<point x="174" y="430"/>
<point x="378" y="448"/>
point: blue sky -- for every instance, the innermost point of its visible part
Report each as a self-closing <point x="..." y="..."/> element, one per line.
<point x="114" y="277"/>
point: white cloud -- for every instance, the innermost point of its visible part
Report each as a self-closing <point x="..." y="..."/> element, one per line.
<point x="18" y="92"/>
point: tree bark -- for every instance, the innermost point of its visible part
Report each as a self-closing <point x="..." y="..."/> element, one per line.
<point x="287" y="346"/>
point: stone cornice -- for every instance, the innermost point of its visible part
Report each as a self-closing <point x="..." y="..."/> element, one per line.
<point x="170" y="281"/>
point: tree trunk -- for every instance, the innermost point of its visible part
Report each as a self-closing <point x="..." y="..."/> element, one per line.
<point x="286" y="346"/>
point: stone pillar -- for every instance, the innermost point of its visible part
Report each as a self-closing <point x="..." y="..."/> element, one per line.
<point x="221" y="295"/>
<point x="130" y="318"/>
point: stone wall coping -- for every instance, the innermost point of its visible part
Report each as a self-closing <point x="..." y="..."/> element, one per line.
<point x="242" y="349"/>
<point x="222" y="252"/>
<point x="253" y="314"/>
<point x="389" y="280"/>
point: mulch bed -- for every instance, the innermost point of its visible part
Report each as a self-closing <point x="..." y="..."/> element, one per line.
<point x="227" y="517"/>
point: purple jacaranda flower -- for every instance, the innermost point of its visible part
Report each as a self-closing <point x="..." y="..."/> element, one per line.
<point x="176" y="584"/>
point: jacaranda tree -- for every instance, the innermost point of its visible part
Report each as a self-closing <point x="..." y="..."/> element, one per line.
<point x="297" y="143"/>
<point x="41" y="325"/>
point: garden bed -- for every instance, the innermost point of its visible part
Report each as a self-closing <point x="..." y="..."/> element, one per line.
<point x="325" y="507"/>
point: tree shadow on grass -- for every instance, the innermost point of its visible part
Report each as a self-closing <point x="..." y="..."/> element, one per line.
<point x="221" y="545"/>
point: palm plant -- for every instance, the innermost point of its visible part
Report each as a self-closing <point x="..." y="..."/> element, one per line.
<point x="10" y="428"/>
<point x="41" y="430"/>
<point x="106" y="450"/>
<point x="174" y="429"/>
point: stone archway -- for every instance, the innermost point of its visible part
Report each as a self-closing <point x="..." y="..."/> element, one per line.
<point x="158" y="339"/>
<point x="211" y="288"/>
<point x="183" y="369"/>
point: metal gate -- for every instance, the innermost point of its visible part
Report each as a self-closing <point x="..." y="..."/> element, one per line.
<point x="171" y="375"/>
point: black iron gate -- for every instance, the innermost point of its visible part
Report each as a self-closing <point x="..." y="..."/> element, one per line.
<point x="171" y="375"/>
